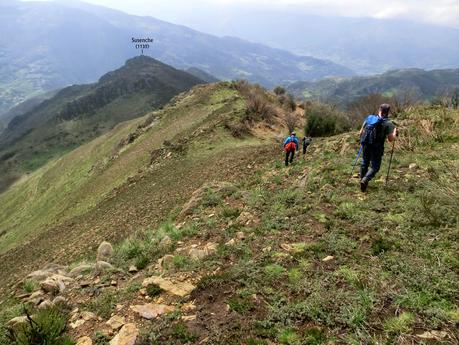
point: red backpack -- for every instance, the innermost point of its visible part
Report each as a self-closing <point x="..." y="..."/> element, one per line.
<point x="291" y="146"/>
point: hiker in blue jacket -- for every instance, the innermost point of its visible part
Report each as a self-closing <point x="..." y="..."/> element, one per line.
<point x="291" y="144"/>
<point x="373" y="134"/>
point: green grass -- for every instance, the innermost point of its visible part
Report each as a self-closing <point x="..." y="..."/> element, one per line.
<point x="394" y="270"/>
<point x="30" y="285"/>
<point x="76" y="183"/>
<point x="48" y="327"/>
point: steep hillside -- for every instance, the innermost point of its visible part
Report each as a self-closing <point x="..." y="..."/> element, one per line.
<point x="419" y="84"/>
<point x="95" y="178"/>
<point x="199" y="73"/>
<point x="23" y="108"/>
<point x="61" y="43"/>
<point x="227" y="246"/>
<point x="80" y="113"/>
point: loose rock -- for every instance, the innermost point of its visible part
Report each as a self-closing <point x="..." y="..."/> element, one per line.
<point x="81" y="269"/>
<point x="240" y="236"/>
<point x="17" y="322"/>
<point x="88" y="316"/>
<point x="104" y="252"/>
<point x="197" y="254"/>
<point x="165" y="243"/>
<point x="77" y="323"/>
<point x="116" y="322"/>
<point x="84" y="341"/>
<point x="127" y="335"/>
<point x="59" y="301"/>
<point x="102" y="266"/>
<point x="45" y="304"/>
<point x="166" y="261"/>
<point x="150" y="311"/>
<point x="433" y="335"/>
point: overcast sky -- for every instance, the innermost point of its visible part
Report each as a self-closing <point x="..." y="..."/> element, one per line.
<point x="188" y="12"/>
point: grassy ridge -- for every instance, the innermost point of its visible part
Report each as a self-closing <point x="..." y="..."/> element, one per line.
<point x="322" y="263"/>
<point x="318" y="262"/>
<point x="75" y="183"/>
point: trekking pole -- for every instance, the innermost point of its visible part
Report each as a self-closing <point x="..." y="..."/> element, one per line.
<point x="355" y="163"/>
<point x="390" y="161"/>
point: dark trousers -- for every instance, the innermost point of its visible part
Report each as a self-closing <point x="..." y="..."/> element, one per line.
<point x="289" y="157"/>
<point x="305" y="147"/>
<point x="371" y="161"/>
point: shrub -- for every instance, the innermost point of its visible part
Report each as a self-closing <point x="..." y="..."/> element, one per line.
<point x="291" y="121"/>
<point x="142" y="261"/>
<point x="236" y="128"/>
<point x="230" y="212"/>
<point x="30" y="286"/>
<point x="211" y="198"/>
<point x="289" y="337"/>
<point x="182" y="333"/>
<point x="279" y="90"/>
<point x="288" y="102"/>
<point x="399" y="324"/>
<point x="48" y="327"/>
<point x="153" y="290"/>
<point x="324" y="120"/>
<point x="258" y="107"/>
<point x="314" y="336"/>
<point x="240" y="304"/>
<point x="274" y="271"/>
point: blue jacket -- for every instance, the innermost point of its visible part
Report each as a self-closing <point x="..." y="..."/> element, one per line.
<point x="295" y="140"/>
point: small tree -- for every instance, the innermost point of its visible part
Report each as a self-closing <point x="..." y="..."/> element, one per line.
<point x="291" y="121"/>
<point x="279" y="90"/>
<point x="325" y="120"/>
<point x="369" y="104"/>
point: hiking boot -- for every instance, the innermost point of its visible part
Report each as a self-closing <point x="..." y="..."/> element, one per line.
<point x="363" y="185"/>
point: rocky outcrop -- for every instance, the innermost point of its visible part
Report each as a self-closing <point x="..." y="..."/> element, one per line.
<point x="181" y="289"/>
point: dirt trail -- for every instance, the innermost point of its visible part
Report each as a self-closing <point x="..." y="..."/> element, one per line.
<point x="145" y="202"/>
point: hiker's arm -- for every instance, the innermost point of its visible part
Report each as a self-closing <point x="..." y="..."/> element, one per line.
<point x="362" y="129"/>
<point x="392" y="136"/>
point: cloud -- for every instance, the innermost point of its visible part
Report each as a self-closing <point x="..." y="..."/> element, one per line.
<point x="441" y="12"/>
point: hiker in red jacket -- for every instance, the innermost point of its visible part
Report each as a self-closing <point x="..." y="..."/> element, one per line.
<point x="291" y="144"/>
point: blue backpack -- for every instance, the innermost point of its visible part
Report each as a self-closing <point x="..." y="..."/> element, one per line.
<point x="372" y="130"/>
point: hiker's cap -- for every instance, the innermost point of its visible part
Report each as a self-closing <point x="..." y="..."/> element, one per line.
<point x="384" y="109"/>
<point x="293" y="133"/>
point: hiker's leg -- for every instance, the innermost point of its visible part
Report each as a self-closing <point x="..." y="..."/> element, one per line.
<point x="376" y="158"/>
<point x="292" y="154"/>
<point x="366" y="159"/>
<point x="286" y="158"/>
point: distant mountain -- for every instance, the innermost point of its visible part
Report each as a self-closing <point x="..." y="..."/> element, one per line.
<point x="47" y="45"/>
<point x="366" y="45"/>
<point x="417" y="82"/>
<point x="79" y="113"/>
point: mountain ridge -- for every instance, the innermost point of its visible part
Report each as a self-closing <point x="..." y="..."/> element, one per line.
<point x="79" y="113"/>
<point x="57" y="54"/>
<point x="421" y="85"/>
